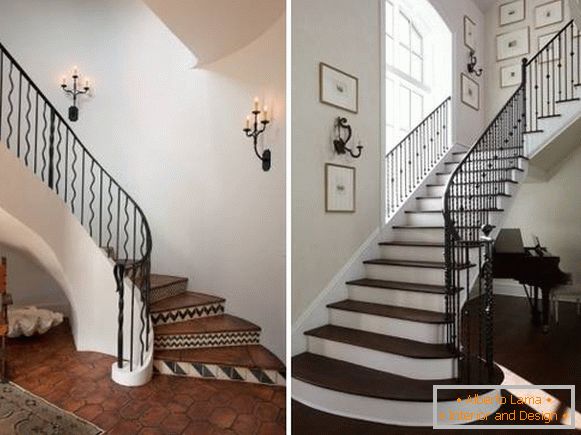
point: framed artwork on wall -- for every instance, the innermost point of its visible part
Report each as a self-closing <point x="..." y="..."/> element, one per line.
<point x="512" y="44"/>
<point x="339" y="188"/>
<point x="338" y="89"/>
<point x="469" y="33"/>
<point x="548" y="13"/>
<point x="470" y="92"/>
<point x="510" y="75"/>
<point x="512" y="12"/>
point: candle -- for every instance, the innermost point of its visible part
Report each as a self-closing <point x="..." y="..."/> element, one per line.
<point x="87" y="83"/>
<point x="265" y="111"/>
<point x="248" y="122"/>
<point x="75" y="71"/>
<point x="64" y="81"/>
<point x="256" y="104"/>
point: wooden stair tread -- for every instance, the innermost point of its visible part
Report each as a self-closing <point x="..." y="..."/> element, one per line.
<point x="465" y="196"/>
<point x="165" y="280"/>
<point x="399" y="285"/>
<point x="484" y="170"/>
<point x="184" y="300"/>
<point x="353" y="379"/>
<point x="206" y="325"/>
<point x="516" y="156"/>
<point x="249" y="356"/>
<point x="382" y="343"/>
<point x="402" y="313"/>
<point x="417" y="244"/>
<point x="414" y="263"/>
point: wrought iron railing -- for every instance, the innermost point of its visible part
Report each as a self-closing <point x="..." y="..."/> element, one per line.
<point x="408" y="162"/>
<point x="39" y="136"/>
<point x="472" y="194"/>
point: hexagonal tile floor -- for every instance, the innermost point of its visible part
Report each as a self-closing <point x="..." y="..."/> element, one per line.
<point x="80" y="382"/>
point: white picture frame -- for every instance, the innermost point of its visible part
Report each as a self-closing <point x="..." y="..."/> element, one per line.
<point x="511" y="75"/>
<point x="469" y="33"/>
<point x="549" y="13"/>
<point x="512" y="44"/>
<point x="338" y="89"/>
<point x="339" y="188"/>
<point x="470" y="92"/>
<point x="512" y="12"/>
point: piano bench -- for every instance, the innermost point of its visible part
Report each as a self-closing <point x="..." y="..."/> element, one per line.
<point x="565" y="293"/>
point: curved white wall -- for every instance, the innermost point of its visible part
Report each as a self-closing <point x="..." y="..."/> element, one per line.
<point x="35" y="220"/>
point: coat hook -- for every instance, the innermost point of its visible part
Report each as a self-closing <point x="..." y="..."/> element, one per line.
<point x="340" y="143"/>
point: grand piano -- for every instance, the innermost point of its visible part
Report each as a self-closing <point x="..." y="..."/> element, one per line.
<point x="534" y="267"/>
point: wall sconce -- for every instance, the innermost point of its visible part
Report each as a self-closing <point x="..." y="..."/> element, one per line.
<point x="256" y="131"/>
<point x="472" y="69"/>
<point x="75" y="92"/>
<point x="340" y="143"/>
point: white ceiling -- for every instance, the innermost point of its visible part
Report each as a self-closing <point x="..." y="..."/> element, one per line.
<point x="485" y="5"/>
<point x="212" y="29"/>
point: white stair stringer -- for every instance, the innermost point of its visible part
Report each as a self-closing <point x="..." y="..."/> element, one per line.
<point x="378" y="410"/>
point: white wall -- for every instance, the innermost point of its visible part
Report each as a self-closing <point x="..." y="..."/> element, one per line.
<point x="172" y="136"/>
<point x="30" y="284"/>
<point x="467" y="122"/>
<point x="346" y="35"/>
<point x="552" y="211"/>
<point x="495" y="95"/>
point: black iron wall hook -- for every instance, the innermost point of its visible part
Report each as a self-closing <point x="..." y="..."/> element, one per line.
<point x="340" y="143"/>
<point x="256" y="131"/>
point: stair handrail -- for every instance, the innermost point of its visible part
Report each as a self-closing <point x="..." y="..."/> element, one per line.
<point x="401" y="178"/>
<point x="49" y="129"/>
<point x="546" y="80"/>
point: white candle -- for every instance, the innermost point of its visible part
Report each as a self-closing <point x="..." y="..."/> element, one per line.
<point x="75" y="71"/>
<point x="64" y="81"/>
<point x="265" y="111"/>
<point x="256" y="104"/>
<point x="87" y="83"/>
<point x="248" y="122"/>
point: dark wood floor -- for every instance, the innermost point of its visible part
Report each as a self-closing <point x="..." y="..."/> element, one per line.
<point x="80" y="382"/>
<point x="553" y="358"/>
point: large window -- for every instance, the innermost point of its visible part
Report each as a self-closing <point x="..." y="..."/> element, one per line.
<point x="405" y="71"/>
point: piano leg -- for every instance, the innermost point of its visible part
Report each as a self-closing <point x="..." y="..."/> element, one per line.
<point x="546" y="309"/>
<point x="536" y="314"/>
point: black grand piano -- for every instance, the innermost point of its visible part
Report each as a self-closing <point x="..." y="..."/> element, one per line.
<point x="534" y="267"/>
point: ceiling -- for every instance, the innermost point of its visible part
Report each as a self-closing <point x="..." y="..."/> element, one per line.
<point x="485" y="5"/>
<point x="212" y="29"/>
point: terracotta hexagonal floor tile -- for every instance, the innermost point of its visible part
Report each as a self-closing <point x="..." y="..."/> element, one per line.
<point x="107" y="420"/>
<point x="89" y="412"/>
<point x="222" y="417"/>
<point x="174" y="423"/>
<point x="271" y="429"/>
<point x="266" y="411"/>
<point x="153" y="416"/>
<point x="199" y="411"/>
<point x="125" y="427"/>
<point x="245" y="424"/>
<point x="199" y="428"/>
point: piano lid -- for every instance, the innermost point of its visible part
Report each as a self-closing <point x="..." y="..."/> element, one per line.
<point x="509" y="241"/>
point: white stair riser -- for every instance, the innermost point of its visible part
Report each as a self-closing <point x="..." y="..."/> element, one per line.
<point x="511" y="162"/>
<point x="418" y="235"/>
<point x="431" y="204"/>
<point x="420" y="253"/>
<point x="425" y="219"/>
<point x="507" y="188"/>
<point x="422" y="275"/>
<point x="399" y="298"/>
<point x="391" y="412"/>
<point x="435" y="190"/>
<point x="509" y="174"/>
<point x="456" y="157"/>
<point x="424" y="332"/>
<point x="440" y="179"/>
<point x="416" y="368"/>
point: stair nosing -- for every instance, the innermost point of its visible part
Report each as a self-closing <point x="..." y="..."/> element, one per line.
<point x="398" y="286"/>
<point x="409" y="317"/>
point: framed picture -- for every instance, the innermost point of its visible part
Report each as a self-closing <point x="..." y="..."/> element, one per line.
<point x="548" y="13"/>
<point x="470" y="92"/>
<point x="512" y="44"/>
<point x="512" y="12"/>
<point x="339" y="188"/>
<point x="510" y="75"/>
<point x="551" y="53"/>
<point x="469" y="33"/>
<point x="338" y="89"/>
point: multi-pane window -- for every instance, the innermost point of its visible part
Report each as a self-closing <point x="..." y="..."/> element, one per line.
<point x="405" y="85"/>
